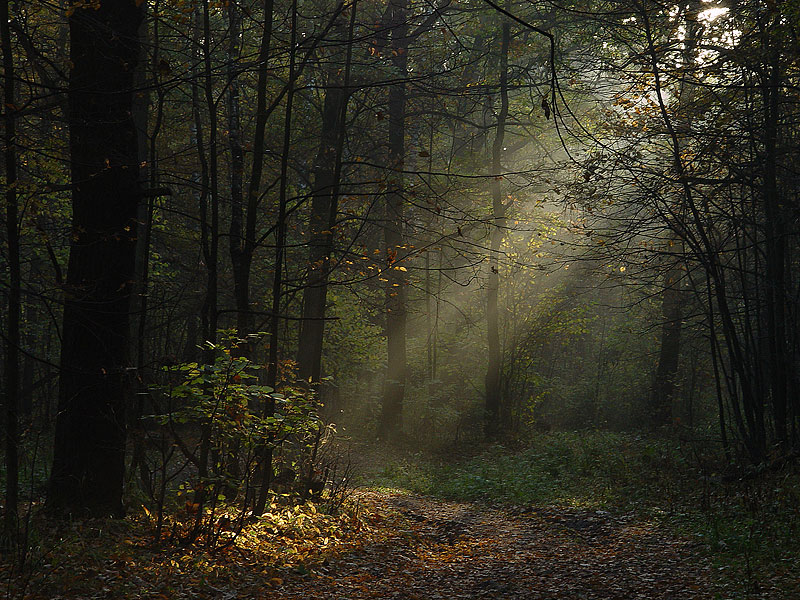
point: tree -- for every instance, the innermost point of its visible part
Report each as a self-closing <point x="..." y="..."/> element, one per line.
<point x="89" y="454"/>
<point x="13" y="338"/>
<point x="493" y="424"/>
<point x="324" y="209"/>
<point x="391" y="419"/>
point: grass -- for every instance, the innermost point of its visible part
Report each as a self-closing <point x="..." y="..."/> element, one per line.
<point x="589" y="469"/>
<point x="750" y="528"/>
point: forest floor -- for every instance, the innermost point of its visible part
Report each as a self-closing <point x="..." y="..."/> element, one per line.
<point x="449" y="550"/>
<point x="394" y="545"/>
<point x="571" y="517"/>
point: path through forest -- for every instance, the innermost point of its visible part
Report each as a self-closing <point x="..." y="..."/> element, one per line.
<point x="448" y="550"/>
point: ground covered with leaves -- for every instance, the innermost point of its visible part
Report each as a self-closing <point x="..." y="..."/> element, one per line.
<point x="570" y="517"/>
<point x="466" y="550"/>
<point x="124" y="559"/>
<point x="381" y="545"/>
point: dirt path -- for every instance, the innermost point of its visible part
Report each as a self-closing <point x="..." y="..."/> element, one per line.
<point x="446" y="550"/>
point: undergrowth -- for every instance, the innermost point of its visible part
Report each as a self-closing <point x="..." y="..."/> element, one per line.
<point x="121" y="559"/>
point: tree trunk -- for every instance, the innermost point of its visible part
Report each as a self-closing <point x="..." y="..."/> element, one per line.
<point x="89" y="454"/>
<point x="277" y="281"/>
<point x="324" y="207"/>
<point x="776" y="252"/>
<point x="492" y="419"/>
<point x="391" y="419"/>
<point x="140" y="111"/>
<point x="12" y="338"/>
<point x="236" y="239"/>
<point x="663" y="391"/>
<point x="209" y="225"/>
<point x="210" y="222"/>
<point x="243" y="226"/>
<point x="323" y="215"/>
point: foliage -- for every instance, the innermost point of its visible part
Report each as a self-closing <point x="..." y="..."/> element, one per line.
<point x="227" y="396"/>
<point x="222" y="419"/>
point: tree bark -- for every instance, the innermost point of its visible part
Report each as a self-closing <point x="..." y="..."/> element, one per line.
<point x="210" y="221"/>
<point x="391" y="418"/>
<point x="663" y="389"/>
<point x="493" y="424"/>
<point x="243" y="218"/>
<point x="89" y="454"/>
<point x="13" y="337"/>
<point x="664" y="384"/>
<point x="776" y="289"/>
<point x="324" y="208"/>
<point x="236" y="239"/>
<point x="277" y="281"/>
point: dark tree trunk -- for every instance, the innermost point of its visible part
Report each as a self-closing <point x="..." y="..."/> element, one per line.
<point x="209" y="225"/>
<point x="391" y="419"/>
<point x="243" y="218"/>
<point x="210" y="211"/>
<point x="28" y="362"/>
<point x="13" y="338"/>
<point x="89" y="454"/>
<point x="493" y="424"/>
<point x="140" y="111"/>
<point x="776" y="289"/>
<point x="323" y="215"/>
<point x="663" y="391"/>
<point x="324" y="207"/>
<point x="277" y="281"/>
<point x="237" y="245"/>
<point x="243" y="315"/>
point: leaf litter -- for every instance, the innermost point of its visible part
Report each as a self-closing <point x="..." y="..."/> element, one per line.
<point x="380" y="545"/>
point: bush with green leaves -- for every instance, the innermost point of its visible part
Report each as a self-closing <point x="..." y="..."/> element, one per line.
<point x="226" y="425"/>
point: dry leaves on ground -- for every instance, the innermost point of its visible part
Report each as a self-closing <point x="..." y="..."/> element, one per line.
<point x="382" y="546"/>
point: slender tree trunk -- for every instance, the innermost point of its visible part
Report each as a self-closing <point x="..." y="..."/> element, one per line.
<point x="210" y="312"/>
<point x="492" y="419"/>
<point x="140" y="112"/>
<point x="209" y="226"/>
<point x="277" y="281"/>
<point x="236" y="239"/>
<point x="776" y="250"/>
<point x="663" y="389"/>
<point x="243" y="226"/>
<point x="391" y="419"/>
<point x="149" y="156"/>
<point x="663" y="392"/>
<point x="89" y="454"/>
<point x="715" y="354"/>
<point x="29" y="339"/>
<point x="232" y="471"/>
<point x="11" y="389"/>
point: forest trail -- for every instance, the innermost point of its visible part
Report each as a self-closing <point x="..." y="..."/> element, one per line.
<point x="449" y="550"/>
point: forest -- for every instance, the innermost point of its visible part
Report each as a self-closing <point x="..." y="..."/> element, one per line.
<point x="407" y="299"/>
